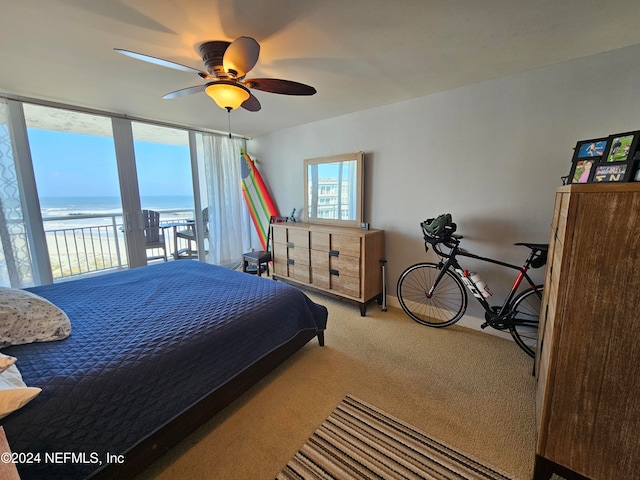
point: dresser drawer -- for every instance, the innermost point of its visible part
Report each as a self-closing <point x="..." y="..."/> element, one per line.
<point x="299" y="272"/>
<point x="544" y="358"/>
<point x="345" y="244"/>
<point x="280" y="259"/>
<point x="320" y="241"/>
<point x="345" y="284"/>
<point x="279" y="234"/>
<point x="563" y="212"/>
<point x="345" y="265"/>
<point x="319" y="267"/>
<point x="320" y="277"/>
<point x="298" y="238"/>
<point x="550" y="313"/>
<point x="555" y="267"/>
<point x="319" y="259"/>
<point x="299" y="255"/>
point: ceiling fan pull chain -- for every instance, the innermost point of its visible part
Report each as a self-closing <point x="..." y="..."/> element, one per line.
<point x="229" y="119"/>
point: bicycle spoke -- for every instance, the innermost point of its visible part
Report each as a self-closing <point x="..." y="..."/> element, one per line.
<point x="444" y="307"/>
<point x="525" y="324"/>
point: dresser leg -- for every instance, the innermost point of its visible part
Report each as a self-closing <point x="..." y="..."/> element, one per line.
<point x="363" y="309"/>
<point x="543" y="468"/>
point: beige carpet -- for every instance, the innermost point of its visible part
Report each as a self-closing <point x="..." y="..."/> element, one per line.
<point x="466" y="388"/>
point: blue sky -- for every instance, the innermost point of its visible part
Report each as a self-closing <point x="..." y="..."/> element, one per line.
<point x="71" y="164"/>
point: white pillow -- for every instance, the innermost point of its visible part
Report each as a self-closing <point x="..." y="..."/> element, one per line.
<point x="14" y="394"/>
<point x="6" y="361"/>
<point x="26" y="318"/>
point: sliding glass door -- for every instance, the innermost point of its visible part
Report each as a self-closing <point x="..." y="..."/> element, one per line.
<point x="165" y="186"/>
<point x="96" y="177"/>
<point x="76" y="175"/>
<point x="84" y="181"/>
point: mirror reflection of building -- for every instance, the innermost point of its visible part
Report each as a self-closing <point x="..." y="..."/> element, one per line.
<point x="333" y="189"/>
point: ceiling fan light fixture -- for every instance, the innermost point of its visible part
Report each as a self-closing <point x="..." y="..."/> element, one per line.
<point x="227" y="95"/>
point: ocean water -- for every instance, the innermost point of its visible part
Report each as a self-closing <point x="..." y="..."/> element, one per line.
<point x="69" y="212"/>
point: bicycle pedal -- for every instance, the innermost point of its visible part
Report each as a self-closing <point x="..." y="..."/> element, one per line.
<point x="484" y="325"/>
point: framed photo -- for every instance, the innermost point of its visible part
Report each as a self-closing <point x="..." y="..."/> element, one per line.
<point x="621" y="147"/>
<point x="612" y="172"/>
<point x="581" y="171"/>
<point x="590" y="149"/>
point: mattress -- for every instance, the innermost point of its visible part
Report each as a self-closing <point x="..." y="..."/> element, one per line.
<point x="145" y="345"/>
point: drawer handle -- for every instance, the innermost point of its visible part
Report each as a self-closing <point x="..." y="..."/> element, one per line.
<point x="290" y="261"/>
<point x="290" y="245"/>
<point x="334" y="272"/>
<point x="334" y="253"/>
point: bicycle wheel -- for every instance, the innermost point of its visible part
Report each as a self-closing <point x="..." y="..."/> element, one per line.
<point x="447" y="304"/>
<point x="527" y="305"/>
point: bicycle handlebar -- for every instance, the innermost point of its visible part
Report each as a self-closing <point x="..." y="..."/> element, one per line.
<point x="449" y="240"/>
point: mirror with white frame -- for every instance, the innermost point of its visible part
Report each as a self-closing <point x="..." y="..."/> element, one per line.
<point x="333" y="189"/>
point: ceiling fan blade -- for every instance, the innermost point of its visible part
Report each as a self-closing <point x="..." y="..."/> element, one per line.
<point x="284" y="87"/>
<point x="252" y="104"/>
<point x="163" y="63"/>
<point x="240" y="57"/>
<point x="185" y="91"/>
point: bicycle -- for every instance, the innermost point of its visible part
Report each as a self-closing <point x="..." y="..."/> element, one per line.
<point x="435" y="294"/>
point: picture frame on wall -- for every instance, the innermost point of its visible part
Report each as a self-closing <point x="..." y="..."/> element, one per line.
<point x="621" y="147"/>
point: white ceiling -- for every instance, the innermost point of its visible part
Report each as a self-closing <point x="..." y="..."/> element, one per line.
<point x="358" y="54"/>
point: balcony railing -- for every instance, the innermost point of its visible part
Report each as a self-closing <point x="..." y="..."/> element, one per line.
<point x="84" y="244"/>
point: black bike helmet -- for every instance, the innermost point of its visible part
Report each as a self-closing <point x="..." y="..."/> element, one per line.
<point x="436" y="227"/>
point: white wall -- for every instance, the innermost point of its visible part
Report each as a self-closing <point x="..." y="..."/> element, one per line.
<point x="491" y="154"/>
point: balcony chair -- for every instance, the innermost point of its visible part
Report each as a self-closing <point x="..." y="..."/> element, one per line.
<point x="258" y="262"/>
<point x="189" y="234"/>
<point x="153" y="234"/>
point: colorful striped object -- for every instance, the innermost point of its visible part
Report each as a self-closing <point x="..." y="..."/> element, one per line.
<point x="259" y="201"/>
<point x="361" y="442"/>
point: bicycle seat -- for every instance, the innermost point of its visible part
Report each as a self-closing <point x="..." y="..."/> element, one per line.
<point x="543" y="247"/>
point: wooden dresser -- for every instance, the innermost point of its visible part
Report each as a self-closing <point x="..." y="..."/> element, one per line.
<point x="342" y="261"/>
<point x="588" y="364"/>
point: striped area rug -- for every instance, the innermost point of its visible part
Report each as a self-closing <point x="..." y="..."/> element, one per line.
<point x="358" y="441"/>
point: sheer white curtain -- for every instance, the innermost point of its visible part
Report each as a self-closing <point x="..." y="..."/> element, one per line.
<point x="16" y="267"/>
<point x="229" y="231"/>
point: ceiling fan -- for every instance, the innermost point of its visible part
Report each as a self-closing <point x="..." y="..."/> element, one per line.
<point x="227" y="64"/>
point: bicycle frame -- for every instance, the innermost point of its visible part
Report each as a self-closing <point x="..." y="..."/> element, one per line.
<point x="493" y="315"/>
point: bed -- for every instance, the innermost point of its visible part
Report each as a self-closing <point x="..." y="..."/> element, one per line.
<point x="153" y="353"/>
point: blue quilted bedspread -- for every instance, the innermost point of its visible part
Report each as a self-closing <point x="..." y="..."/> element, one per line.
<point x="145" y="345"/>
